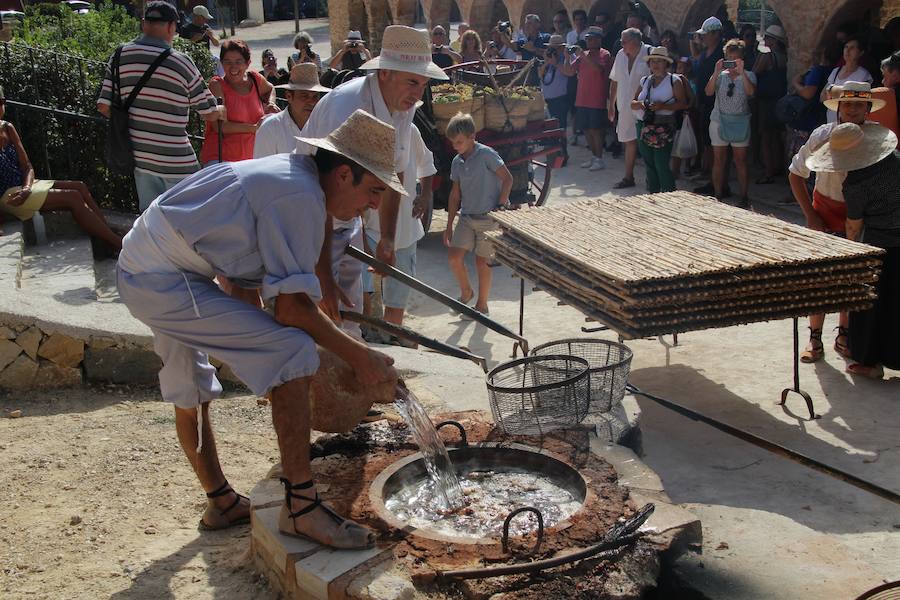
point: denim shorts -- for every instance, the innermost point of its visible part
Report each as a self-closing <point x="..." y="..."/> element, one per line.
<point x="393" y="293"/>
<point x="150" y="186"/>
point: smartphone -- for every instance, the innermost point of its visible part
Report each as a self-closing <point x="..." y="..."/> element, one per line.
<point x="729" y="64"/>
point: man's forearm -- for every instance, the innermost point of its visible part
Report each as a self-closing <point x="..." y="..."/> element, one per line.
<point x="387" y="215"/>
<point x="801" y="194"/>
<point x="298" y="310"/>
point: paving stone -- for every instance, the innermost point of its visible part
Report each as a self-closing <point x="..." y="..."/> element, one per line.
<point x="62" y="350"/>
<point x="317" y="574"/>
<point x="7" y="333"/>
<point x="266" y="493"/>
<point x="283" y="549"/>
<point x="122" y="365"/>
<point x="382" y="582"/>
<point x="51" y="375"/>
<point x="633" y="473"/>
<point x="19" y="375"/>
<point x="29" y="340"/>
<point x="9" y="351"/>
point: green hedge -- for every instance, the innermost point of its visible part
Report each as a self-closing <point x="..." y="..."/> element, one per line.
<point x="58" y="60"/>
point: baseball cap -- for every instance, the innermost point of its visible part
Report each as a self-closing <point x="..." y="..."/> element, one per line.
<point x="711" y="24"/>
<point x="160" y="11"/>
<point x="202" y="11"/>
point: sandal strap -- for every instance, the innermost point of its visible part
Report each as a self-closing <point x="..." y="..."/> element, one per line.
<point x="314" y="502"/>
<point x="842" y="331"/>
<point x="815" y="334"/>
<point x="223" y="489"/>
<point x="237" y="500"/>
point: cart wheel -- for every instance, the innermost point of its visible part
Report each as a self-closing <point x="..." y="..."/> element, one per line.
<point x="540" y="181"/>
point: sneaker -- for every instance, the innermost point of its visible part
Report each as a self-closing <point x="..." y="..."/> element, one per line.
<point x="707" y="189"/>
<point x="573" y="141"/>
<point x="588" y="163"/>
<point x="598" y="165"/>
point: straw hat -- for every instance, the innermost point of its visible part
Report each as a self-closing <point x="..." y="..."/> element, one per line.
<point x="406" y="49"/>
<point x="556" y="41"/>
<point x="777" y="32"/>
<point x="366" y="141"/>
<point x="661" y="53"/>
<point x="855" y="91"/>
<point x="304" y="77"/>
<point x="852" y="147"/>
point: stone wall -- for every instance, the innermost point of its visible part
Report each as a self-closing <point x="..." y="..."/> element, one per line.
<point x="808" y="22"/>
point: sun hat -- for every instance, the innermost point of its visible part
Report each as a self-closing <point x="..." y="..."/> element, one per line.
<point x="556" y="40"/>
<point x="593" y="31"/>
<point x="304" y="77"/>
<point x="202" y="11"/>
<point x="855" y="91"/>
<point x="160" y="12"/>
<point x="709" y="25"/>
<point x="366" y="141"/>
<point x="354" y="35"/>
<point x="777" y="32"/>
<point x="405" y="49"/>
<point x="661" y="53"/>
<point x="852" y="147"/>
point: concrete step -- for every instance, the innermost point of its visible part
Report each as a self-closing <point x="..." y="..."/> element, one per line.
<point x="12" y="247"/>
<point x="62" y="269"/>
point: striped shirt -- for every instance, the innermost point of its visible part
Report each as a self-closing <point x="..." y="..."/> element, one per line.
<point x="158" y="118"/>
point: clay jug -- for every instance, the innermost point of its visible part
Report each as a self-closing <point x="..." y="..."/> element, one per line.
<point x="338" y="402"/>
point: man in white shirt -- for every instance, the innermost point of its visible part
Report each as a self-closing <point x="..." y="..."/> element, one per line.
<point x="278" y="134"/>
<point x="628" y="70"/>
<point x="579" y="22"/>
<point x="390" y="93"/>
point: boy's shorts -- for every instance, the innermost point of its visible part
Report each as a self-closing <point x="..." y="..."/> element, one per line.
<point x="393" y="293"/>
<point x="469" y="234"/>
<point x="591" y="118"/>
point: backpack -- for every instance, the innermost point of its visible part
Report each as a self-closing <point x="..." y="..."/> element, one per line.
<point x="119" y="151"/>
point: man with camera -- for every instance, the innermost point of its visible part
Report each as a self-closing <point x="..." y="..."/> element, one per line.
<point x="555" y="83"/>
<point x="532" y="41"/>
<point x="501" y="45"/>
<point x="198" y="30"/>
<point x="352" y="55"/>
<point x="441" y="53"/>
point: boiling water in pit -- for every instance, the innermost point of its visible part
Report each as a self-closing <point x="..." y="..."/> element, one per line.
<point x="489" y="496"/>
<point x="446" y="491"/>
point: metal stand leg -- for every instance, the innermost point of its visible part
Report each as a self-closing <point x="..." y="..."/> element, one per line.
<point x="521" y="317"/>
<point x="796" y="389"/>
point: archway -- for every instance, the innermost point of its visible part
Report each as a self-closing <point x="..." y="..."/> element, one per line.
<point x="865" y="13"/>
<point x="484" y="15"/>
<point x="405" y="12"/>
<point x="545" y="9"/>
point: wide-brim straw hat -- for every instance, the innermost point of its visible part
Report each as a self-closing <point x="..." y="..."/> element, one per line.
<point x="855" y="91"/>
<point x="556" y="40"/>
<point x="406" y="49"/>
<point x="852" y="147"/>
<point x="366" y="141"/>
<point x="304" y="77"/>
<point x="661" y="53"/>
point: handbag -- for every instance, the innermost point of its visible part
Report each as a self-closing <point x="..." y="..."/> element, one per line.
<point x="119" y="151"/>
<point x="734" y="129"/>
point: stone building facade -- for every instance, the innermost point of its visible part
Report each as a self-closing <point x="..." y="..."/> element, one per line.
<point x="809" y="23"/>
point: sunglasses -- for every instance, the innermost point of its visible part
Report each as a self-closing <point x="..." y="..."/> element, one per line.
<point x="730" y="91"/>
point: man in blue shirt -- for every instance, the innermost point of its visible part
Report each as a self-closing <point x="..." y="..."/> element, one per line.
<point x="532" y="40"/>
<point x="259" y="224"/>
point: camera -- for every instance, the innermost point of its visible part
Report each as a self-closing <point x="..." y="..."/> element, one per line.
<point x="729" y="64"/>
<point x="504" y="27"/>
<point x="550" y="52"/>
<point x="649" y="115"/>
<point x="353" y="45"/>
<point x="573" y="49"/>
<point x="493" y="44"/>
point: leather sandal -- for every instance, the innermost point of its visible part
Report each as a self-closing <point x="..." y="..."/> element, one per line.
<point x="842" y="347"/>
<point x="349" y="535"/>
<point x="816" y="350"/>
<point x="864" y="371"/>
<point x="626" y="182"/>
<point x="214" y="519"/>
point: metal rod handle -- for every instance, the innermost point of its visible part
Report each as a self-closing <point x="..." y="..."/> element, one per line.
<point x="540" y="530"/>
<point x="462" y="430"/>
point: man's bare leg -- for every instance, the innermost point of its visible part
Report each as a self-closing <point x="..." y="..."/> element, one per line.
<point x="206" y="463"/>
<point x="291" y="418"/>
<point x="394" y="315"/>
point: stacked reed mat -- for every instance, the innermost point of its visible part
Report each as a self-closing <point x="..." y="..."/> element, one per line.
<point x="675" y="262"/>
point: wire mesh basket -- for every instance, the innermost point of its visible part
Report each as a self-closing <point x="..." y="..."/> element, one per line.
<point x="538" y="394"/>
<point x="609" y="363"/>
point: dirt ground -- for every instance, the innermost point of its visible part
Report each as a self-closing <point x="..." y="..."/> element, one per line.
<point x="98" y="500"/>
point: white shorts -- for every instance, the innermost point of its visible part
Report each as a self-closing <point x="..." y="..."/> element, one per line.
<point x="626" y="129"/>
<point x="717" y="141"/>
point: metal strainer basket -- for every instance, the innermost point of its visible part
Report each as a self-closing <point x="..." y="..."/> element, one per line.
<point x="538" y="394"/>
<point x="610" y="364"/>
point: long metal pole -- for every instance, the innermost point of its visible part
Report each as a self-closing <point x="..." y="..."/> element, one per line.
<point x="435" y="294"/>
<point x="773" y="447"/>
<point x="297" y="16"/>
